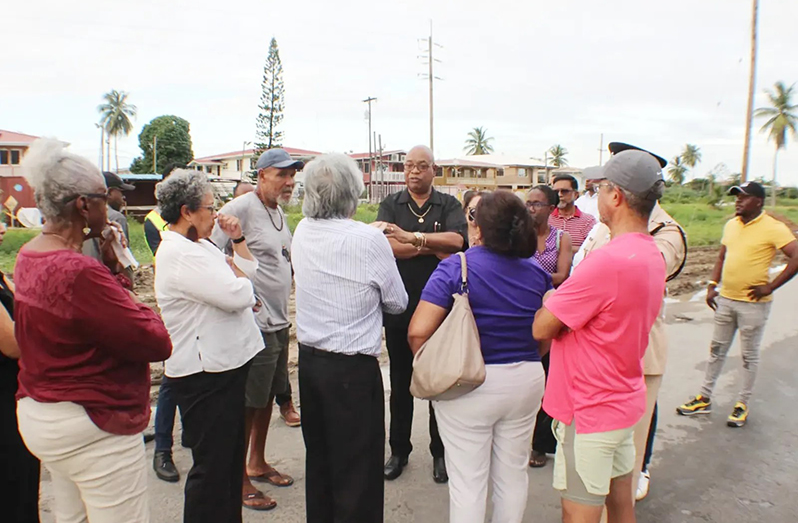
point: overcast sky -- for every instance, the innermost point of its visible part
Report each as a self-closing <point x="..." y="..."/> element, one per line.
<point x="654" y="73"/>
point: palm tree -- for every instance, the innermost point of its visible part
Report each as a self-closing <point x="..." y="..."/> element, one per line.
<point x="676" y="170"/>
<point x="558" y="154"/>
<point x="691" y="155"/>
<point x="115" y="116"/>
<point x="782" y="116"/>
<point x="478" y="142"/>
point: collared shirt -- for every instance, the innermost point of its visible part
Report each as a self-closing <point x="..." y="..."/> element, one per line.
<point x="672" y="246"/>
<point x="750" y="249"/>
<point x="206" y="308"/>
<point x="345" y="278"/>
<point x="269" y="241"/>
<point x="577" y="226"/>
<point x="588" y="204"/>
<point x="440" y="213"/>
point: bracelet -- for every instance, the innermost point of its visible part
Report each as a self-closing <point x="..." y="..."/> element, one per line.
<point x="420" y="240"/>
<point x="713" y="283"/>
<point x="239" y="240"/>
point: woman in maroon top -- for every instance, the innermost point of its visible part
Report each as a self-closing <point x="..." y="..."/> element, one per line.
<point x="554" y="254"/>
<point x="85" y="343"/>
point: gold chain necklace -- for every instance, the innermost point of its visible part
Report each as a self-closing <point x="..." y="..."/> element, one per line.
<point x="419" y="216"/>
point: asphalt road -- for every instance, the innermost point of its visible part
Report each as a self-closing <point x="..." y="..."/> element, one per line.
<point x="702" y="471"/>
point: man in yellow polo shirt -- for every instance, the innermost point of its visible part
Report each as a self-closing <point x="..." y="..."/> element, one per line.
<point x="750" y="242"/>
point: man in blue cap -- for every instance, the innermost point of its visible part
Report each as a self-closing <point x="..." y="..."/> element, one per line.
<point x="265" y="228"/>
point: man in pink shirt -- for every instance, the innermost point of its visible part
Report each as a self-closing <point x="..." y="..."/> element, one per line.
<point x="599" y="320"/>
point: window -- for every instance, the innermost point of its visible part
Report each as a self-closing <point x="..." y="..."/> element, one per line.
<point x="252" y="162"/>
<point x="500" y="172"/>
<point x="521" y="172"/>
<point x="208" y="169"/>
<point x="438" y="172"/>
<point x="14" y="157"/>
<point x="366" y="166"/>
<point x="468" y="173"/>
<point x="3" y="157"/>
<point x="239" y="165"/>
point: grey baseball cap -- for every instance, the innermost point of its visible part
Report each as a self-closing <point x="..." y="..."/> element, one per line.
<point x="278" y="158"/>
<point x="593" y="173"/>
<point x="637" y="171"/>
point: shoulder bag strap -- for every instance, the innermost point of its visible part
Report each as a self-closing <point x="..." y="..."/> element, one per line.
<point x="463" y="273"/>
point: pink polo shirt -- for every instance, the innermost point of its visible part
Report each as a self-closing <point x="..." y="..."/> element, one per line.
<point x="609" y="304"/>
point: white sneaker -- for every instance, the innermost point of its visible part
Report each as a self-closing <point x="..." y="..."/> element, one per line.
<point x="642" y="485"/>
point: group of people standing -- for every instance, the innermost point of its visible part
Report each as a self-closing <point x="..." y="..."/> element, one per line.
<point x="569" y="313"/>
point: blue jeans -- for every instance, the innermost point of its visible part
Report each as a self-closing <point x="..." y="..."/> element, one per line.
<point x="165" y="416"/>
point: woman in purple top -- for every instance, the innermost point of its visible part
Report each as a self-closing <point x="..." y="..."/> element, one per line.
<point x="486" y="432"/>
<point x="554" y="254"/>
<point x="553" y="251"/>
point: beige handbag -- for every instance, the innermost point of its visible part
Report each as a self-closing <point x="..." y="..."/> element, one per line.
<point x="450" y="363"/>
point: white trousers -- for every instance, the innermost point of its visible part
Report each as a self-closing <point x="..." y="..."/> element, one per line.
<point x="97" y="477"/>
<point x="486" y="434"/>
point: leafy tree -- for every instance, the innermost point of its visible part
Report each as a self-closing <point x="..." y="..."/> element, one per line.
<point x="478" y="142"/>
<point x="558" y="154"/>
<point x="691" y="155"/>
<point x="173" y="146"/>
<point x="272" y="102"/>
<point x="115" y="115"/>
<point x="676" y="170"/>
<point x="782" y="116"/>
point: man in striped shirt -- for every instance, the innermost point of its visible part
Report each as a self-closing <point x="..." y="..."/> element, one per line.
<point x="346" y="278"/>
<point x="567" y="215"/>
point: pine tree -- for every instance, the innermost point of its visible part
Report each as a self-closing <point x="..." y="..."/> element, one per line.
<point x="271" y="102"/>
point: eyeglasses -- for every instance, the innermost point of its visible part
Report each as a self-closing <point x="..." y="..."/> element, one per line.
<point x="209" y="207"/>
<point x="472" y="214"/>
<point x="564" y="191"/>
<point x="103" y="196"/>
<point x="598" y="186"/>
<point x="410" y="167"/>
<point x="536" y="205"/>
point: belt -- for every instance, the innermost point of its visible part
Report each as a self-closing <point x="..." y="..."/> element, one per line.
<point x="307" y="349"/>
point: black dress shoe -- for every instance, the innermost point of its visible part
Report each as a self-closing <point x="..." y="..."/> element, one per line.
<point x="164" y="467"/>
<point x="394" y="467"/>
<point x="439" y="470"/>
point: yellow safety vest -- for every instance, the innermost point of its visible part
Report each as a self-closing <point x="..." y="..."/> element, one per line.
<point x="156" y="220"/>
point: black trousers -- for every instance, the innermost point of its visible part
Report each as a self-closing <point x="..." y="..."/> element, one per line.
<point x="212" y="412"/>
<point x="543" y="439"/>
<point x="401" y="399"/>
<point x="19" y="469"/>
<point x="343" y="425"/>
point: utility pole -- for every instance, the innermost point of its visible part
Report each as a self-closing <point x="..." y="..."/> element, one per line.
<point x="155" y="155"/>
<point x="243" y="157"/>
<point x="751" y="87"/>
<point x="431" y="76"/>
<point x="371" y="167"/>
<point x="102" y="139"/>
<point x="601" y="151"/>
<point x="382" y="171"/>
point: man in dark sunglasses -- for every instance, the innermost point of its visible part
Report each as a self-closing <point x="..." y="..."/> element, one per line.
<point x="567" y="215"/>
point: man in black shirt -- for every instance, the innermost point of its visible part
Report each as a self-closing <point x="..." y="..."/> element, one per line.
<point x="423" y="227"/>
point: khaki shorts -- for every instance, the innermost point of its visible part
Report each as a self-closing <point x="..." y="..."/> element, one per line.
<point x="268" y="374"/>
<point x="585" y="464"/>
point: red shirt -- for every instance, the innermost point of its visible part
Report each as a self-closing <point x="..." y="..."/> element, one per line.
<point x="82" y="339"/>
<point x="577" y="226"/>
<point x="609" y="304"/>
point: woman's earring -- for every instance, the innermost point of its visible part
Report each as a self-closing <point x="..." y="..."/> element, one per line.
<point x="86" y="229"/>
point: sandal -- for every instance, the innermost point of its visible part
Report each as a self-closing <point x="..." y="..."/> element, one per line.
<point x="538" y="460"/>
<point x="257" y="496"/>
<point x="275" y="478"/>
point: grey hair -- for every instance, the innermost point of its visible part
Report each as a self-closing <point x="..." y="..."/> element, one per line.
<point x="57" y="177"/>
<point x="333" y="185"/>
<point x="641" y="205"/>
<point x="183" y="187"/>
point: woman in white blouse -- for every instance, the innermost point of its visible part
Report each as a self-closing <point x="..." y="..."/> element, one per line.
<point x="206" y="301"/>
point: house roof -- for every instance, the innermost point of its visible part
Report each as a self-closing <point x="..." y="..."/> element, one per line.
<point x="504" y="160"/>
<point x="216" y="158"/>
<point x="12" y="138"/>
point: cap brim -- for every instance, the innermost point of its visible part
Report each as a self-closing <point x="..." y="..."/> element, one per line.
<point x="126" y="187"/>
<point x="296" y="164"/>
<point x="734" y="191"/>
<point x="617" y="147"/>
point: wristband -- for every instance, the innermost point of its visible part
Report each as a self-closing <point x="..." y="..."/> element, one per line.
<point x="239" y="240"/>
